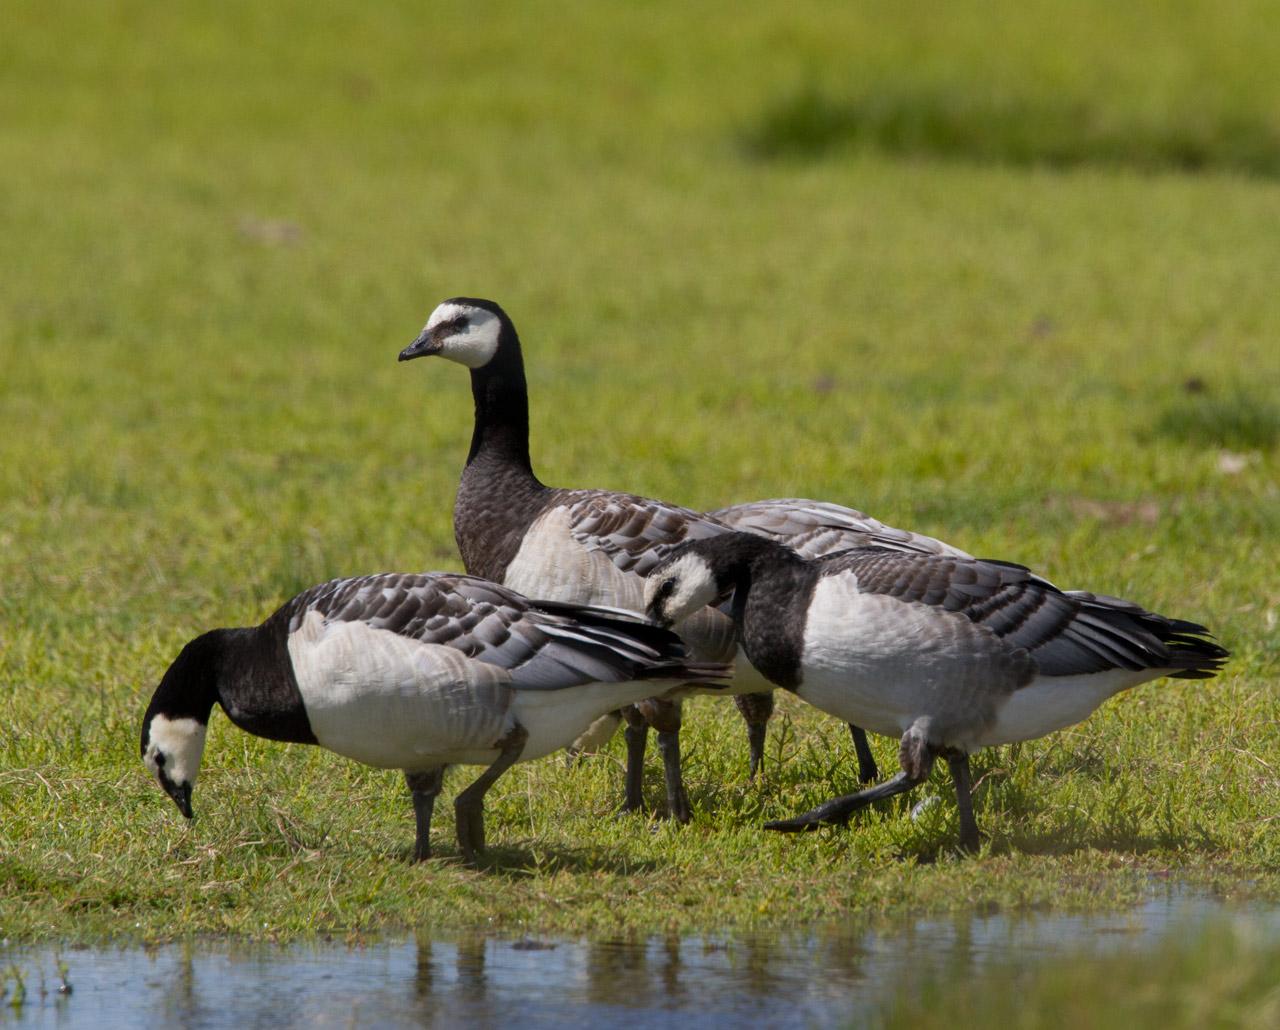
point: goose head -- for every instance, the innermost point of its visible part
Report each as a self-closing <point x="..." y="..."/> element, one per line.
<point x="171" y="750"/>
<point x="707" y="571"/>
<point x="464" y="329"/>
<point x="679" y="585"/>
<point x="176" y="721"/>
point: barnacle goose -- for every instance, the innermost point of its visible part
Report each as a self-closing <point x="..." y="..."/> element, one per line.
<point x="949" y="654"/>
<point x="413" y="672"/>
<point x="580" y="546"/>
<point x="813" y="529"/>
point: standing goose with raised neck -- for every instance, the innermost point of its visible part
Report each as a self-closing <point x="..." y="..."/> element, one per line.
<point x="580" y="546"/>
<point x="948" y="654"/>
<point x="413" y="672"/>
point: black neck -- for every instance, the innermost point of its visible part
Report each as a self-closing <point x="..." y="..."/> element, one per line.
<point x="771" y="589"/>
<point x="247" y="672"/>
<point x="499" y="496"/>
<point x="189" y="687"/>
<point x="256" y="685"/>
<point x="502" y="409"/>
<point x="736" y="558"/>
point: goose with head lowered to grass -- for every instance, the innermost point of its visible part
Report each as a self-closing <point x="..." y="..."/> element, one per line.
<point x="413" y="672"/>
<point x="813" y="529"/>
<point x="948" y="654"/>
<point x="595" y="546"/>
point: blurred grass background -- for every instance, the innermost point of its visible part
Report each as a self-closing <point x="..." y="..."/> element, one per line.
<point x="1002" y="273"/>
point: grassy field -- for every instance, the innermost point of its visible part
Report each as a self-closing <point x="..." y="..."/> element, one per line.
<point x="222" y="224"/>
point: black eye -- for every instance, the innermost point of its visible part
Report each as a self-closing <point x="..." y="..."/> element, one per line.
<point x="666" y="588"/>
<point x="159" y="759"/>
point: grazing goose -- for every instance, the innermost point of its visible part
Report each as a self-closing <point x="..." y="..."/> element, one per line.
<point x="412" y="672"/>
<point x="949" y="654"/>
<point x="813" y="529"/>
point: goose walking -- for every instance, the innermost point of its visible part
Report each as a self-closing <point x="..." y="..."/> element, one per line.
<point x="595" y="546"/>
<point x="813" y="529"/>
<point x="413" y="672"/>
<point x="948" y="654"/>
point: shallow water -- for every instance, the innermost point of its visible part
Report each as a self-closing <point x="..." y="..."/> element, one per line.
<point x="825" y="977"/>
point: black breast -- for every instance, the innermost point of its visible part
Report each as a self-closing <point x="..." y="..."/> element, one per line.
<point x="257" y="688"/>
<point x="770" y="610"/>
<point x="495" y="507"/>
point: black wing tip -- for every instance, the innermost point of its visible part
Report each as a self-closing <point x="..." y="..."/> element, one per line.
<point x="1189" y="649"/>
<point x="629" y="624"/>
<point x="1197" y="658"/>
<point x="701" y="673"/>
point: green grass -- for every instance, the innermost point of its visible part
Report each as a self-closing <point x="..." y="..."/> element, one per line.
<point x="222" y="225"/>
<point x="1148" y="86"/>
<point x="962" y="123"/>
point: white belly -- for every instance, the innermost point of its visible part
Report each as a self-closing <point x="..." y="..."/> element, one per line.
<point x="555" y="718"/>
<point x="1054" y="702"/>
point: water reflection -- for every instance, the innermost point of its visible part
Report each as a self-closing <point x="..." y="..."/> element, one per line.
<point x="824" y="977"/>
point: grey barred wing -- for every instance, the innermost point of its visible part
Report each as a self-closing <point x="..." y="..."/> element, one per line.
<point x="817" y="528"/>
<point x="635" y="533"/>
<point x="542" y="646"/>
<point x="1067" y="634"/>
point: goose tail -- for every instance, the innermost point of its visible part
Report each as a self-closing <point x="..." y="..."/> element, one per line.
<point x="1187" y="649"/>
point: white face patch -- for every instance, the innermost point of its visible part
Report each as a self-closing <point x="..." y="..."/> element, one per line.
<point x="475" y="342"/>
<point x="176" y="746"/>
<point x="693" y="587"/>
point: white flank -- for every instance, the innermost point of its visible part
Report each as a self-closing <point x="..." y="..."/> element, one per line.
<point x="555" y="718"/>
<point x="396" y="703"/>
<point x="476" y="343"/>
<point x="882" y="664"/>
<point x="392" y="702"/>
<point x="553" y="566"/>
<point x="181" y="741"/>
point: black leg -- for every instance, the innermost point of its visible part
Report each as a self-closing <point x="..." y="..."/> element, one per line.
<point x="664" y="716"/>
<point x="838" y="810"/>
<point x="867" y="770"/>
<point x="468" y="807"/>
<point x="964" y="800"/>
<point x="637" y="736"/>
<point x="678" y="807"/>
<point x="755" y="709"/>
<point x="916" y="757"/>
<point x="423" y="788"/>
